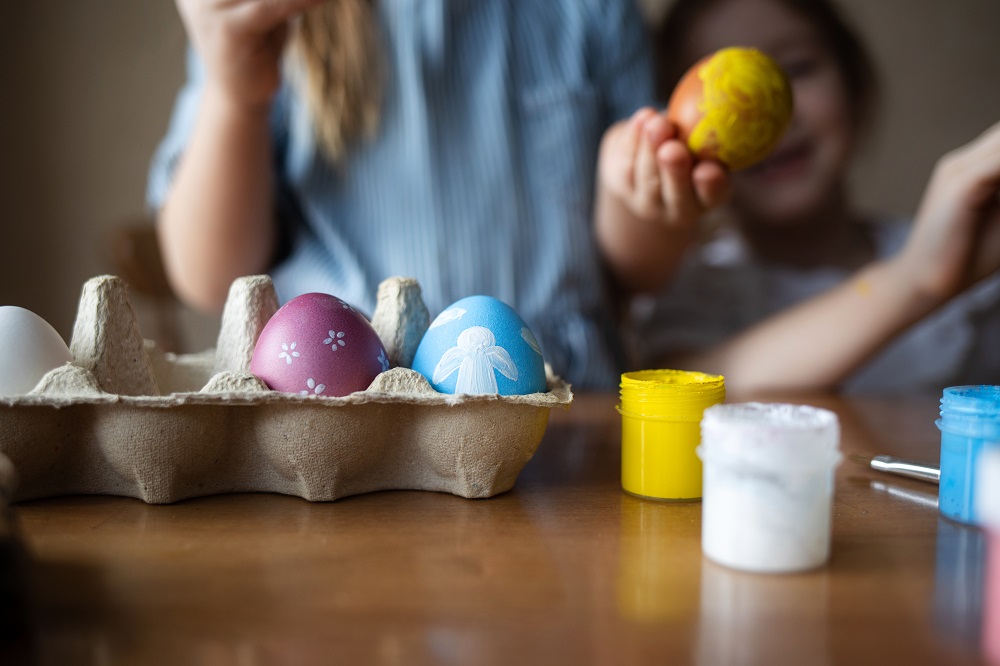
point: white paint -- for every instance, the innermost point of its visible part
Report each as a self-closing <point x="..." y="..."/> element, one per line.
<point x="988" y="487"/>
<point x="768" y="485"/>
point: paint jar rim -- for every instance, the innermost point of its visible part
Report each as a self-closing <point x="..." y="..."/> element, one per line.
<point x="971" y="411"/>
<point x="772" y="436"/>
<point x="669" y="380"/>
<point x="674" y="395"/>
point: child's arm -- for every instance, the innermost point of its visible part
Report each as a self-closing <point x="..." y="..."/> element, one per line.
<point x="650" y="194"/>
<point x="954" y="243"/>
<point x="217" y="222"/>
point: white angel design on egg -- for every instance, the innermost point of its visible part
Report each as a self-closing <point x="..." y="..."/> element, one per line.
<point x="477" y="358"/>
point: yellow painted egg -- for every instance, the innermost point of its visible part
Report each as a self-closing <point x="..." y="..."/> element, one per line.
<point x="732" y="105"/>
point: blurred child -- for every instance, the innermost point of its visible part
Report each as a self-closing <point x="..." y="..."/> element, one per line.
<point x="452" y="142"/>
<point x="800" y="290"/>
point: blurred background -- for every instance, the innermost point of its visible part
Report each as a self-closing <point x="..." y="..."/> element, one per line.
<point x="87" y="88"/>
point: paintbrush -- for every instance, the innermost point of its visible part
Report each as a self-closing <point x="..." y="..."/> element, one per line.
<point x="914" y="469"/>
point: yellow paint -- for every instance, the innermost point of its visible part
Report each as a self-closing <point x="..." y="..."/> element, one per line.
<point x="863" y="287"/>
<point x="661" y="429"/>
<point x="746" y="106"/>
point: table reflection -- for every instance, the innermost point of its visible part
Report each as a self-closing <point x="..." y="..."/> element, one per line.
<point x="328" y="586"/>
<point x="659" y="565"/>
<point x="920" y="497"/>
<point x="958" y="582"/>
<point x="663" y="579"/>
<point x="740" y="617"/>
<point x="991" y="602"/>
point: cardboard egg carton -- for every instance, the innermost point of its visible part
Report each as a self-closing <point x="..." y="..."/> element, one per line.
<point x="126" y="418"/>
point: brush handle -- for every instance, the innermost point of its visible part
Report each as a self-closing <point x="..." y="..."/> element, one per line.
<point x="911" y="468"/>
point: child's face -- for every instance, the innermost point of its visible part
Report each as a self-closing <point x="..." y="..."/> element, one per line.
<point x="807" y="169"/>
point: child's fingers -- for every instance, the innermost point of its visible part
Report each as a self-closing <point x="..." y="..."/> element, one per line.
<point x="658" y="129"/>
<point x="965" y="179"/>
<point x="982" y="160"/>
<point x="711" y="184"/>
<point x="648" y="186"/>
<point x="640" y="117"/>
<point x="647" y="175"/>
<point x="676" y="185"/>
<point x="629" y="144"/>
<point x="263" y="15"/>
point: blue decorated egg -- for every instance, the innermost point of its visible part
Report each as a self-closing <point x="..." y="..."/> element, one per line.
<point x="480" y="345"/>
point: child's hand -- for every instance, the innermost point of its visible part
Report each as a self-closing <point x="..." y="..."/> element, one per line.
<point x="651" y="193"/>
<point x="653" y="174"/>
<point x="240" y="42"/>
<point x="956" y="236"/>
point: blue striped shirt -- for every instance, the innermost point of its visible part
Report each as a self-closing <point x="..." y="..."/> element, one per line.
<point x="481" y="179"/>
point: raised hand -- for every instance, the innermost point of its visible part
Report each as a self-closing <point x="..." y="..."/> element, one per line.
<point x="651" y="193"/>
<point x="240" y="43"/>
<point x="655" y="176"/>
<point x="956" y="235"/>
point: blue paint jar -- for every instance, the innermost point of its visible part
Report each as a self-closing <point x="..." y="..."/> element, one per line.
<point x="970" y="421"/>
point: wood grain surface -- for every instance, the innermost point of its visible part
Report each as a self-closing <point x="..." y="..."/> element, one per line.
<point x="564" y="568"/>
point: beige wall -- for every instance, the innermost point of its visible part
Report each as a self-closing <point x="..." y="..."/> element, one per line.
<point x="941" y="82"/>
<point x="86" y="88"/>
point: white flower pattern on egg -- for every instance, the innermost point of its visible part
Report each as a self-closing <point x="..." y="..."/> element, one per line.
<point x="313" y="387"/>
<point x="303" y="331"/>
<point x="477" y="358"/>
<point x="336" y="340"/>
<point x="288" y="352"/>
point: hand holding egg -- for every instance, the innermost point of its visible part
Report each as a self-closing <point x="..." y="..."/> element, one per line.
<point x="733" y="106"/>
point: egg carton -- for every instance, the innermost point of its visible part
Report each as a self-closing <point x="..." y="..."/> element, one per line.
<point x="126" y="418"/>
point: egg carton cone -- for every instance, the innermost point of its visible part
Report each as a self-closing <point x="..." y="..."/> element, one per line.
<point x="125" y="418"/>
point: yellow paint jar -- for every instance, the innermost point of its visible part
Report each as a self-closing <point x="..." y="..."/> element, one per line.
<point x="661" y="428"/>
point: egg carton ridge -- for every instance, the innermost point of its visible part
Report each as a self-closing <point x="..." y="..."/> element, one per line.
<point x="126" y="418"/>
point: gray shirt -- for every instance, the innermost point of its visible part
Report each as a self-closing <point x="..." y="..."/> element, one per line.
<point x="723" y="289"/>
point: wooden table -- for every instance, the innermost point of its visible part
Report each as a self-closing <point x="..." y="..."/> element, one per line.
<point x="565" y="568"/>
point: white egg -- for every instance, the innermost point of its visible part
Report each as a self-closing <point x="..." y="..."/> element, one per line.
<point x="29" y="348"/>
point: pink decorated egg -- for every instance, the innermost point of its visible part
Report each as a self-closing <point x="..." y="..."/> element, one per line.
<point x="316" y="344"/>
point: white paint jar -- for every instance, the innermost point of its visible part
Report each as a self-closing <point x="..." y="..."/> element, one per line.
<point x="768" y="485"/>
<point x="988" y="510"/>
